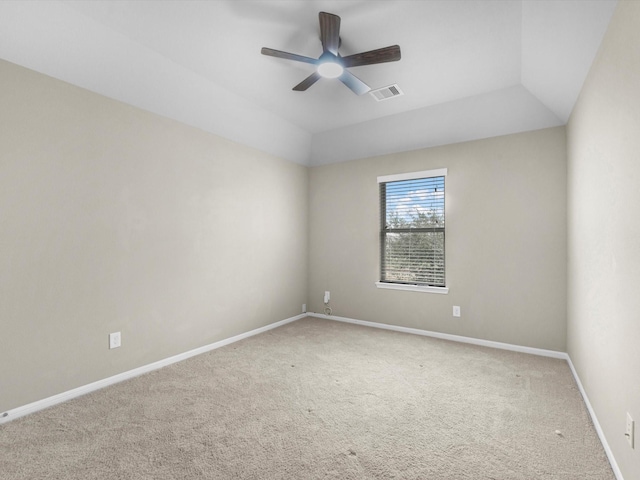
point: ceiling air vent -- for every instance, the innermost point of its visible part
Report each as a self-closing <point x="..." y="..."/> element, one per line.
<point x="385" y="93"/>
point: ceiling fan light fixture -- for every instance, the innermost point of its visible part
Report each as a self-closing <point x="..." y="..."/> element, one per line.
<point x="331" y="64"/>
<point x="330" y="69"/>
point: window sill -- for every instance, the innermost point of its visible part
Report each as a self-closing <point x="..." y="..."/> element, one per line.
<point x="413" y="288"/>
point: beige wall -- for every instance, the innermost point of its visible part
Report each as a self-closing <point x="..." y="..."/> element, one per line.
<point x="603" y="137"/>
<point x="114" y="219"/>
<point x="505" y="240"/>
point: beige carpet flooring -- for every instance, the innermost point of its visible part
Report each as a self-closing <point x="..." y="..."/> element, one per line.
<point x="321" y="399"/>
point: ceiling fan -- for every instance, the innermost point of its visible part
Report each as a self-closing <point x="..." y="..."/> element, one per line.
<point x="331" y="64"/>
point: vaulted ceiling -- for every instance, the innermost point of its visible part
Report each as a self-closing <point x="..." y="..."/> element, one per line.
<point x="470" y="69"/>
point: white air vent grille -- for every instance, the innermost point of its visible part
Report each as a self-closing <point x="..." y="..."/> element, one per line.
<point x="385" y="93"/>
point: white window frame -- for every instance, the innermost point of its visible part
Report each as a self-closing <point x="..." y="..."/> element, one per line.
<point x="440" y="172"/>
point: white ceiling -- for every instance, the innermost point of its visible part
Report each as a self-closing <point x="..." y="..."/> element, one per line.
<point x="470" y="68"/>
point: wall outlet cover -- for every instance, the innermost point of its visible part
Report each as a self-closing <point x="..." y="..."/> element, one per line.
<point x="114" y="340"/>
<point x="629" y="433"/>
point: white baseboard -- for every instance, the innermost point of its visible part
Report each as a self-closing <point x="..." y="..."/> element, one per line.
<point x="76" y="392"/>
<point x="446" y="336"/>
<point x="502" y="346"/>
<point x="91" y="387"/>
<point x="596" y="424"/>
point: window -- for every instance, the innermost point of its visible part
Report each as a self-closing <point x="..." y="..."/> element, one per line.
<point x="412" y="231"/>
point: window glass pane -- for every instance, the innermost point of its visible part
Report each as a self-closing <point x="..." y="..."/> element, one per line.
<point x="414" y="258"/>
<point x="415" y="203"/>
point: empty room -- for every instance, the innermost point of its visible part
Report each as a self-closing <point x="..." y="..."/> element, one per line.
<point x="305" y="239"/>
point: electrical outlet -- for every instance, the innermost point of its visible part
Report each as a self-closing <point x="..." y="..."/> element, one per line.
<point x="456" y="311"/>
<point x="304" y="308"/>
<point x="114" y="340"/>
<point x="629" y="431"/>
<point x="327" y="296"/>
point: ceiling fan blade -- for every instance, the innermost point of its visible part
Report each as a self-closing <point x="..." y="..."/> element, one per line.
<point x="307" y="82"/>
<point x="287" y="56"/>
<point x="381" y="55"/>
<point x="356" y="85"/>
<point x="330" y="32"/>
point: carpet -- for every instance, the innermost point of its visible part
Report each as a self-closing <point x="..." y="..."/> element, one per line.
<point x="321" y="399"/>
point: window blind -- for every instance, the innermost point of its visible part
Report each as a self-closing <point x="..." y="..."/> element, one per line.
<point x="413" y="231"/>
